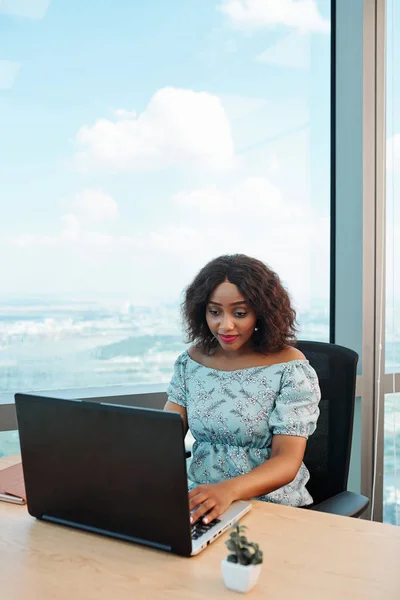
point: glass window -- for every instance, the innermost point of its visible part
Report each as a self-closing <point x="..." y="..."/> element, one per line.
<point x="392" y="354"/>
<point x="391" y="473"/>
<point x="139" y="140"/>
<point x="9" y="443"/>
<point x="391" y="492"/>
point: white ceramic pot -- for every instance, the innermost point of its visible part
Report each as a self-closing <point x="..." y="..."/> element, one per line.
<point x="240" y="578"/>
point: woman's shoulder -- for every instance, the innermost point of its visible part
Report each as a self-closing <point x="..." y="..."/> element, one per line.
<point x="182" y="359"/>
<point x="190" y="356"/>
<point x="293" y="363"/>
<point x="196" y="354"/>
<point x="290" y="354"/>
<point x="296" y="365"/>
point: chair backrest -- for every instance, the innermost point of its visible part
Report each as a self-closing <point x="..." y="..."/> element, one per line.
<point x="328" y="450"/>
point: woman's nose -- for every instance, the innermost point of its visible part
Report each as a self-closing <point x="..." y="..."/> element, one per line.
<point x="226" y="323"/>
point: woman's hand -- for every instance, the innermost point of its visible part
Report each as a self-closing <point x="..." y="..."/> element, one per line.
<point x="213" y="499"/>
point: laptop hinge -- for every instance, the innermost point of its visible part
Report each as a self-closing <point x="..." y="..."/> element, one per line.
<point x="113" y="534"/>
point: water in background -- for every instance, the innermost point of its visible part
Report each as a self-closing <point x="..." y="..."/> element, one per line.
<point x="79" y="345"/>
<point x="75" y="345"/>
<point x="61" y="345"/>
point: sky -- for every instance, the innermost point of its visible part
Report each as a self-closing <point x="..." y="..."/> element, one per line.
<point x="141" y="139"/>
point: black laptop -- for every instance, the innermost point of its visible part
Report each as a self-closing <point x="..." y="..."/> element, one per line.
<point x="115" y="470"/>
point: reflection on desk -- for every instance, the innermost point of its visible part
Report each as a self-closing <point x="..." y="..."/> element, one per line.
<point x="307" y="556"/>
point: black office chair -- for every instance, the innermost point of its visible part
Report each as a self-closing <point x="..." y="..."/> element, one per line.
<point x="328" y="450"/>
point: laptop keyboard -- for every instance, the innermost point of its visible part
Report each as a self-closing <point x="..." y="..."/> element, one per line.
<point x="200" y="528"/>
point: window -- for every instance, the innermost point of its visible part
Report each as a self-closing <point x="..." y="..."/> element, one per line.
<point x="9" y="443"/>
<point x="391" y="492"/>
<point x="139" y="140"/>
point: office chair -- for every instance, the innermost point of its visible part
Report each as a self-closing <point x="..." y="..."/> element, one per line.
<point x="328" y="450"/>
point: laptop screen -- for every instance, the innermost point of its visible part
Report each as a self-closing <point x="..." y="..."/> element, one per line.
<point x="114" y="468"/>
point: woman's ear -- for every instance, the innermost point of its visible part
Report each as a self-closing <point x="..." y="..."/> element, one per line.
<point x="257" y="326"/>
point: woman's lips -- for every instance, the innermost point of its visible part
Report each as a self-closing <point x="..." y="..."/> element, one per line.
<point x="228" y="339"/>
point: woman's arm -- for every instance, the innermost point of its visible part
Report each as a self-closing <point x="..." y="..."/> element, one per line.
<point x="172" y="407"/>
<point x="287" y="454"/>
<point x="280" y="469"/>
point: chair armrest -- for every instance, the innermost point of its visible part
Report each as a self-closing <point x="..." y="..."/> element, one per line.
<point x="346" y="504"/>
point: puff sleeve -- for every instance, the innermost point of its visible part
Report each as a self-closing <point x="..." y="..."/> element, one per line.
<point x="296" y="407"/>
<point x="176" y="390"/>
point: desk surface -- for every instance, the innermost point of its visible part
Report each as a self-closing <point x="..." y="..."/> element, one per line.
<point x="307" y="556"/>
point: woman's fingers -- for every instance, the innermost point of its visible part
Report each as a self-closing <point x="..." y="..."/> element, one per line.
<point x="213" y="514"/>
<point x="202" y="509"/>
<point x="196" y="499"/>
<point x="209" y="501"/>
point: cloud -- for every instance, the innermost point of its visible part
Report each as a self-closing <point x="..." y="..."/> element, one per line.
<point x="257" y="14"/>
<point x="70" y="231"/>
<point x="89" y="205"/>
<point x="94" y="205"/>
<point x="274" y="167"/>
<point x="393" y="152"/>
<point x="204" y="199"/>
<point x="71" y="228"/>
<point x="253" y="217"/>
<point x="292" y="51"/>
<point x="239" y="107"/>
<point x="122" y="113"/>
<point x="30" y="9"/>
<point x="73" y="234"/>
<point x="8" y="73"/>
<point x="26" y="240"/>
<point x="179" y="126"/>
<point x="176" y="239"/>
<point x="255" y="195"/>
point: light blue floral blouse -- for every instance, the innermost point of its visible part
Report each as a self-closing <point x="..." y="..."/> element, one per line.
<point x="233" y="415"/>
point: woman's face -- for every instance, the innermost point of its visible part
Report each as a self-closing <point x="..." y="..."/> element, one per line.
<point x="230" y="318"/>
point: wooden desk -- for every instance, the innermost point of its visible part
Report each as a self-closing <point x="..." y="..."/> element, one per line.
<point x="307" y="556"/>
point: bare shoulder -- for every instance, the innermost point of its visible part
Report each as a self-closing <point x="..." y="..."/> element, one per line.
<point x="290" y="353"/>
<point x="196" y="354"/>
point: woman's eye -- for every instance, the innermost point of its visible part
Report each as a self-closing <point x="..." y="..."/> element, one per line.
<point x="241" y="314"/>
<point x="213" y="312"/>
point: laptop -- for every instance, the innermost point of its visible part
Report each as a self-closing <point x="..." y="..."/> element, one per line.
<point x="115" y="470"/>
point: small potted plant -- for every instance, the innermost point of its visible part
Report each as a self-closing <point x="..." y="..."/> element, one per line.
<point x="242" y="567"/>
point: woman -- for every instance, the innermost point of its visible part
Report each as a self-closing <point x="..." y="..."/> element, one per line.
<point x="248" y="396"/>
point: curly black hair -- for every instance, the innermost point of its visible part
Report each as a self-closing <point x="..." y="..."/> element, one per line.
<point x="263" y="290"/>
